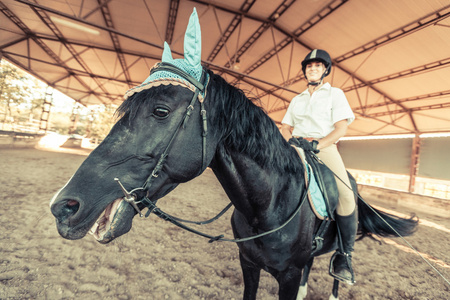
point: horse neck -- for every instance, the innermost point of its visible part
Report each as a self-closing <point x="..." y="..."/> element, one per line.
<point x="258" y="192"/>
<point x="252" y="161"/>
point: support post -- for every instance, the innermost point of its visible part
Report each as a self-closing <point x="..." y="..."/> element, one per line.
<point x="75" y="117"/>
<point x="46" y="108"/>
<point x="414" y="163"/>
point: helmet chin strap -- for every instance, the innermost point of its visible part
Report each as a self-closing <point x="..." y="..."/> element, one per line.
<point x="314" y="83"/>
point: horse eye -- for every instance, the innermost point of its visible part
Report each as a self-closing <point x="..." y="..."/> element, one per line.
<point x="161" y="112"/>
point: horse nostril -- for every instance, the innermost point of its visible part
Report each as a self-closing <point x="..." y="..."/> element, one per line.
<point x="72" y="203"/>
<point x="65" y="209"/>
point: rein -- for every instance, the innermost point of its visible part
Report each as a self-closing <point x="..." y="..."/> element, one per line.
<point x="132" y="198"/>
<point x="152" y="208"/>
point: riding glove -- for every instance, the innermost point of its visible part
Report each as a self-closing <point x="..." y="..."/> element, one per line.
<point x="304" y="144"/>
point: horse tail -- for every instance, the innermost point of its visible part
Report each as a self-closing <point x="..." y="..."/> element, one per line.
<point x="374" y="221"/>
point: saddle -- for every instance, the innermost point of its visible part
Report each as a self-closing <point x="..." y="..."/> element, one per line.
<point x="322" y="189"/>
<point x="323" y="194"/>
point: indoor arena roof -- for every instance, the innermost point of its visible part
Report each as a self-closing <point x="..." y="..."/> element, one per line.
<point x="391" y="58"/>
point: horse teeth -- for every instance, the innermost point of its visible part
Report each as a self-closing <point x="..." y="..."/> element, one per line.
<point x="101" y="226"/>
<point x="93" y="229"/>
<point x="113" y="209"/>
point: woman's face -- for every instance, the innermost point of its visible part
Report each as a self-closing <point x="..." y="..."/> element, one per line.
<point x="314" y="71"/>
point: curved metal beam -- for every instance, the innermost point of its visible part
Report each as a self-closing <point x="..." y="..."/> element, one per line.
<point x="115" y="40"/>
<point x="399" y="33"/>
<point x="173" y="12"/>
<point x="71" y="17"/>
<point x="245" y="7"/>
<point x="413" y="71"/>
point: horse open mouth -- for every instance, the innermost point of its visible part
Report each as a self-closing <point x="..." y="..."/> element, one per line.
<point x="114" y="221"/>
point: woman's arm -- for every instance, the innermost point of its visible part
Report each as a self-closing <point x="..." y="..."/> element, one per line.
<point x="286" y="131"/>
<point x="340" y="128"/>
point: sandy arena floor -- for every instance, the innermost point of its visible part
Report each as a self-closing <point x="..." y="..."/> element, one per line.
<point x="156" y="260"/>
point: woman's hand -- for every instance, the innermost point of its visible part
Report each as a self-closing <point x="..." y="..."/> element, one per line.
<point x="340" y="129"/>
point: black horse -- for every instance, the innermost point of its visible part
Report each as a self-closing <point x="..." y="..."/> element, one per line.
<point x="165" y="137"/>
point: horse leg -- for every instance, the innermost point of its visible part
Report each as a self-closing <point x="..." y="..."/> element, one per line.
<point x="303" y="290"/>
<point x="289" y="282"/>
<point x="251" y="278"/>
<point x="334" y="294"/>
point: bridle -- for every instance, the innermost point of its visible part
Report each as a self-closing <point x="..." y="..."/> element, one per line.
<point x="198" y="87"/>
<point x="131" y="196"/>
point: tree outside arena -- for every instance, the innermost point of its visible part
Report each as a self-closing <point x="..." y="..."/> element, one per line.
<point x="19" y="94"/>
<point x="22" y="99"/>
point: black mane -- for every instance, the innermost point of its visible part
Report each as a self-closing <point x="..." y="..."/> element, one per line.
<point x="244" y="126"/>
<point x="247" y="128"/>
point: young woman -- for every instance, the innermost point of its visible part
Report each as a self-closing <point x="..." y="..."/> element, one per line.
<point x="320" y="115"/>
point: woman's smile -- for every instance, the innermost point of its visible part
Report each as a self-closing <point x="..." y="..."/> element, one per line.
<point x="314" y="71"/>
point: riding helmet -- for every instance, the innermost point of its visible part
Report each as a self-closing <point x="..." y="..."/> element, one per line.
<point x="318" y="55"/>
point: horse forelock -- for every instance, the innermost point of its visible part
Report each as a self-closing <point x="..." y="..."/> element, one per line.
<point x="247" y="128"/>
<point x="159" y="82"/>
<point x="134" y="101"/>
<point x="134" y="97"/>
<point x="131" y="105"/>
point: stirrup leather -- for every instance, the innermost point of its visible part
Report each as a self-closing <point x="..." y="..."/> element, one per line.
<point x="348" y="261"/>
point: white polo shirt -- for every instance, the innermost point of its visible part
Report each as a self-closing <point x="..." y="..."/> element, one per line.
<point x="314" y="116"/>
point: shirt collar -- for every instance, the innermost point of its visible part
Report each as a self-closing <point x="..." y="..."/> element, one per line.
<point x="326" y="86"/>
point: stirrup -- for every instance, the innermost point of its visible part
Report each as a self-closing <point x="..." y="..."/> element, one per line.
<point x="351" y="280"/>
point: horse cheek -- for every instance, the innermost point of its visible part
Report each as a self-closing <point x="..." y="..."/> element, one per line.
<point x="186" y="156"/>
<point x="186" y="166"/>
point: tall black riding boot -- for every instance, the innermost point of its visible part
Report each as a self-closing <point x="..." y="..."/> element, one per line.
<point x="341" y="261"/>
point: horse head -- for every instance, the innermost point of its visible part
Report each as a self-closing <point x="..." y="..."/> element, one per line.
<point x="159" y="141"/>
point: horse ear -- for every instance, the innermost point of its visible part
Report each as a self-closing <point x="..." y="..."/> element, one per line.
<point x="167" y="54"/>
<point x="193" y="41"/>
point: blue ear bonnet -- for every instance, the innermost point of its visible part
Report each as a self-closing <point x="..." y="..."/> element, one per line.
<point x="190" y="64"/>
<point x="181" y="64"/>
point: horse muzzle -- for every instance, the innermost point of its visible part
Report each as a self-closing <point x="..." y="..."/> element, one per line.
<point x="114" y="221"/>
